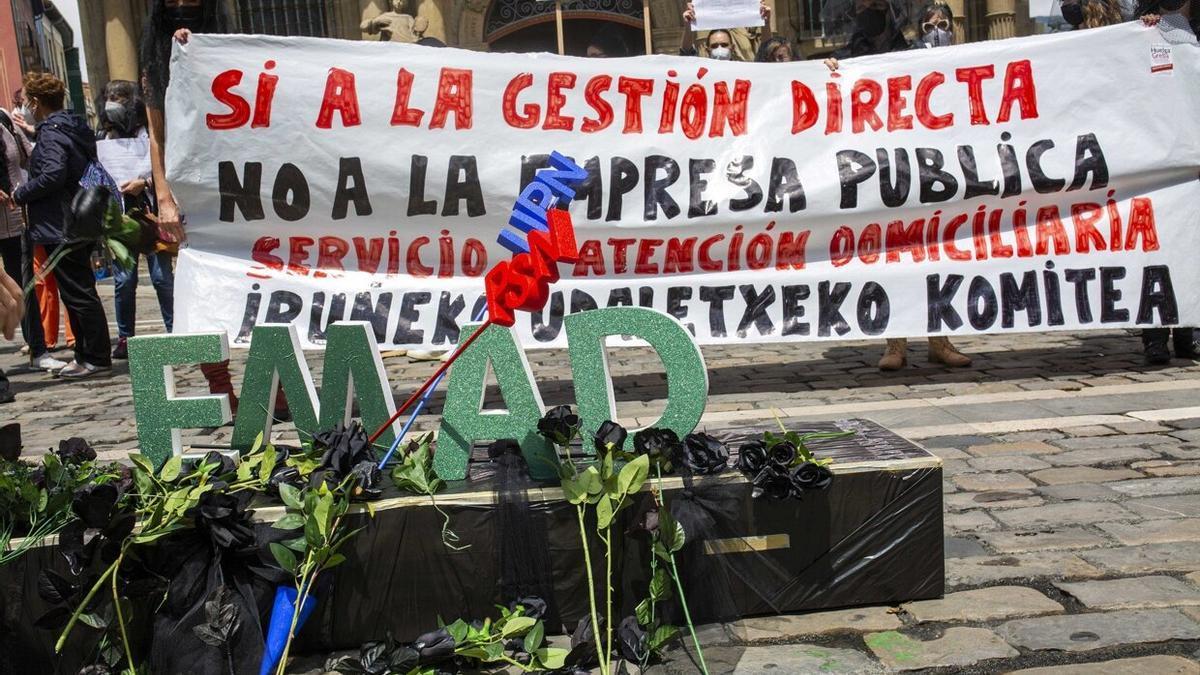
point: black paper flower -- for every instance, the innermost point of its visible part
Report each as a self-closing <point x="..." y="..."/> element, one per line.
<point x="434" y="646"/>
<point x="224" y="463"/>
<point x="782" y="454"/>
<point x="284" y="475"/>
<point x="343" y="447"/>
<point x="223" y="518"/>
<point x="502" y="447"/>
<point x="100" y="526"/>
<point x="772" y="482"/>
<point x="534" y="606"/>
<point x="559" y="425"/>
<point x="327" y="476"/>
<point x="661" y="445"/>
<point x="10" y="441"/>
<point x="704" y="454"/>
<point x="223" y="619"/>
<point x="752" y="457"/>
<point x="631" y="640"/>
<point x="610" y="433"/>
<point x="75" y="451"/>
<point x="368" y="481"/>
<point x="810" y="476"/>
<point x="381" y="657"/>
<point x="583" y="645"/>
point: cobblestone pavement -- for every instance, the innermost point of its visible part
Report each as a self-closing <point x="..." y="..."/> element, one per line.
<point x="1072" y="492"/>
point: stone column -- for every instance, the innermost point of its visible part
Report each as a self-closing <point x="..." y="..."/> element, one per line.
<point x="1001" y="16"/>
<point x="120" y="41"/>
<point x="959" y="9"/>
<point x="91" y="20"/>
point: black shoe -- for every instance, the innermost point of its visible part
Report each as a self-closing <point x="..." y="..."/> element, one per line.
<point x="121" y="351"/>
<point x="1185" y="344"/>
<point x="1157" y="354"/>
<point x="7" y="396"/>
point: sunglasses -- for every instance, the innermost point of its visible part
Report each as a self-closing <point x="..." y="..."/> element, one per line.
<point x="930" y="25"/>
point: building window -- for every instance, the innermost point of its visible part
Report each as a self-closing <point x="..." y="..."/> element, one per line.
<point x="313" y="18"/>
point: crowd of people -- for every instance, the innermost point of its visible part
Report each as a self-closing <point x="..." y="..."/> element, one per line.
<point x="48" y="150"/>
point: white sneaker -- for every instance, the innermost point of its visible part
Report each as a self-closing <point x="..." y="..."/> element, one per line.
<point x="423" y="355"/>
<point x="48" y="363"/>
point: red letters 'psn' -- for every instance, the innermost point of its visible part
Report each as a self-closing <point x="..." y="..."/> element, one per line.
<point x="524" y="282"/>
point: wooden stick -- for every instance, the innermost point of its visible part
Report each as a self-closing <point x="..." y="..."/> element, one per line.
<point x="646" y="25"/>
<point x="558" y="24"/>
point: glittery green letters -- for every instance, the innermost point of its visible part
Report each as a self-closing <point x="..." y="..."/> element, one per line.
<point x="159" y="412"/>
<point x="275" y="359"/>
<point x="687" y="377"/>
<point x="353" y="370"/>
<point x="464" y="421"/>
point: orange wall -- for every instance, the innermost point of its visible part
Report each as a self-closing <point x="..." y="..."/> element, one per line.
<point x="10" y="56"/>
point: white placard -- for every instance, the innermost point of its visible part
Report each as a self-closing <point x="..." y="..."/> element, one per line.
<point x="125" y="158"/>
<point x="712" y="14"/>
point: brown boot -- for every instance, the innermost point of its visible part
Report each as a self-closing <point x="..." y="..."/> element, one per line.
<point x="895" y="356"/>
<point x="941" y="351"/>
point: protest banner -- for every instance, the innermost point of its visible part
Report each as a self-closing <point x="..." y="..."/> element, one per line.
<point x="1044" y="183"/>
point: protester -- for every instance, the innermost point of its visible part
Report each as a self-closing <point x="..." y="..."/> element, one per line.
<point x="777" y="50"/>
<point x="64" y="146"/>
<point x="123" y="115"/>
<point x="176" y="20"/>
<point x="936" y="25"/>
<point x="607" y="43"/>
<point x="11" y="312"/>
<point x="879" y="29"/>
<point x="14" y="150"/>
<point x="725" y="44"/>
<point x="1091" y="13"/>
<point x="1177" y="20"/>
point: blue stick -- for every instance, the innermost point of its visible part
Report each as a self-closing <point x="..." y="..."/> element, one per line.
<point x="421" y="403"/>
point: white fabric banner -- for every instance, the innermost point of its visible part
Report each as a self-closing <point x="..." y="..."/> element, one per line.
<point x="1045" y="183"/>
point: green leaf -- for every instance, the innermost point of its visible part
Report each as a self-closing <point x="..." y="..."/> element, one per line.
<point x="458" y="630"/>
<point x="243" y="471"/>
<point x="299" y="544"/>
<point x="333" y="561"/>
<point x="662" y="635"/>
<point x="604" y="512"/>
<point x="284" y="556"/>
<point x="517" y="625"/>
<point x="291" y="521"/>
<point x="551" y="658"/>
<point x="171" y="469"/>
<point x="493" y="651"/>
<point x="680" y="537"/>
<point x="633" y="475"/>
<point x="267" y="464"/>
<point x="660" y="585"/>
<point x="533" y="639"/>
<point x="291" y="496"/>
<point x="642" y="612"/>
<point x="311" y="534"/>
<point x="321" y="513"/>
<point x="258" y="441"/>
<point x="606" y="466"/>
<point x="474" y="652"/>
<point x="574" y="490"/>
<point x="94" y="620"/>
<point x="141" y="462"/>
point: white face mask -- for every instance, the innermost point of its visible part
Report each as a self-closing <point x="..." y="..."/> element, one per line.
<point x="721" y="53"/>
<point x="938" y="38"/>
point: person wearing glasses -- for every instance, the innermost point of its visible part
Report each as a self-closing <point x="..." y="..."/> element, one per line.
<point x="936" y="23"/>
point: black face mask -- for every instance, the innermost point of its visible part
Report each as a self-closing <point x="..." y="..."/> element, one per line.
<point x="1073" y="13"/>
<point x="872" y="22"/>
<point x="189" y="17"/>
<point x="1170" y="5"/>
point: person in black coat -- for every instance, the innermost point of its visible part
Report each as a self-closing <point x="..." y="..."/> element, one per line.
<point x="64" y="145"/>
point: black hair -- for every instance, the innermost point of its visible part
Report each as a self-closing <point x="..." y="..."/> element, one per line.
<point x="939" y="7"/>
<point x="431" y="42"/>
<point x="154" y="53"/>
<point x="1145" y="7"/>
<point x="768" y="47"/>
<point x="609" y="41"/>
<point x="719" y="30"/>
<point x="132" y="94"/>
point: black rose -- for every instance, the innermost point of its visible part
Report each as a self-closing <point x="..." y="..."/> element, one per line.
<point x="10" y="441"/>
<point x="810" y="476"/>
<point x="502" y="447"/>
<point x="752" y="457"/>
<point x="343" y="447"/>
<point x="75" y="451"/>
<point x="631" y="640"/>
<point x="434" y="646"/>
<point x="645" y="522"/>
<point x="224" y="464"/>
<point x="327" y="476"/>
<point x="559" y="425"/>
<point x="100" y="526"/>
<point x="782" y="454"/>
<point x="610" y="433"/>
<point x="704" y="454"/>
<point x="661" y="445"/>
<point x="534" y="606"/>
<point x="38" y="477"/>
<point x="773" y="482"/>
<point x="368" y="481"/>
<point x="282" y="475"/>
<point x="224" y="519"/>
<point x="583" y="645"/>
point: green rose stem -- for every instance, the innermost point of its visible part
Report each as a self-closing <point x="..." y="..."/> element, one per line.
<point x="117" y="606"/>
<point x="302" y="587"/>
<point x="62" y="639"/>
<point x="687" y="616"/>
<point x="587" y="561"/>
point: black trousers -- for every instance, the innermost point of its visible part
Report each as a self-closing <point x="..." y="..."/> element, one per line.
<point x="85" y="311"/>
<point x="1162" y="335"/>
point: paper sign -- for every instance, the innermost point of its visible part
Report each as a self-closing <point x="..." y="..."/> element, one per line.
<point x="1160" y="58"/>
<point x="125" y="158"/>
<point x="712" y="14"/>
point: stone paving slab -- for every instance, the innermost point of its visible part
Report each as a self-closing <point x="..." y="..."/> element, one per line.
<point x="957" y="647"/>
<point x="1085" y="632"/>
<point x="1133" y="593"/>
<point x="775" y="628"/>
<point x="1154" y="532"/>
<point x="1145" y="665"/>
<point x="1182" y="556"/>
<point x="983" y="604"/>
<point x="1020" y="541"/>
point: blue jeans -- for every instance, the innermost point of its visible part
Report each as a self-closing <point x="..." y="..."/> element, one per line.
<point x="125" y="284"/>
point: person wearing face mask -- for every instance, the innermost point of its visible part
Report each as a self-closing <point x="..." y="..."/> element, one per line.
<point x="724" y="44"/>
<point x="1177" y="20"/>
<point x="124" y="116"/>
<point x="63" y="148"/>
<point x="1091" y="13"/>
<point x="936" y="26"/>
<point x="777" y="50"/>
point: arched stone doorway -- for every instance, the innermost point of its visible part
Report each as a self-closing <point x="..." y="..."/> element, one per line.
<point x="528" y="25"/>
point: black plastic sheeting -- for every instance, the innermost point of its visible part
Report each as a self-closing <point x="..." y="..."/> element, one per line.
<point x="874" y="537"/>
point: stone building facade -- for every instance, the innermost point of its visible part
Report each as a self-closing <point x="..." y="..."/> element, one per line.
<point x="111" y="27"/>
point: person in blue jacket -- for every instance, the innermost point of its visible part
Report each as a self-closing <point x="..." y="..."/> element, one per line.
<point x="63" y="147"/>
